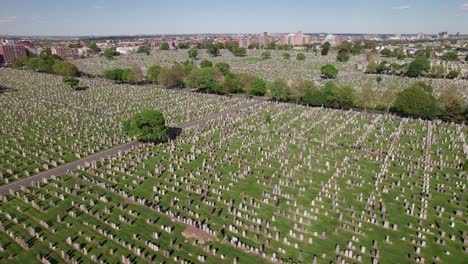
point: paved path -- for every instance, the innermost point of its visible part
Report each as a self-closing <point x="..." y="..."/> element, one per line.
<point x="15" y="186"/>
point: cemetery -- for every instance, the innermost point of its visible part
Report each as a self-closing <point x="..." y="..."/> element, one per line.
<point x="267" y="183"/>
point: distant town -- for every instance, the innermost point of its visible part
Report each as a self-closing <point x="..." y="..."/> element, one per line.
<point x="17" y="47"/>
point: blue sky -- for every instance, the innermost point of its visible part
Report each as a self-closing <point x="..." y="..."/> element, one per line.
<point x="111" y="17"/>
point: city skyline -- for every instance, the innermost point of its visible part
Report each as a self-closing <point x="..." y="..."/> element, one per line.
<point x="104" y="18"/>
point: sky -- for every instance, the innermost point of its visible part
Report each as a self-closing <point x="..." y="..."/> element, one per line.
<point x="132" y="17"/>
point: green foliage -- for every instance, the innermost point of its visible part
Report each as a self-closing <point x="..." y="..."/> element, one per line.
<point x="326" y="45"/>
<point x="193" y="53"/>
<point x="110" y="54"/>
<point x="219" y="45"/>
<point x="19" y="63"/>
<point x="300" y="56"/>
<point x="387" y="53"/>
<point x="232" y="83"/>
<point x="345" y="45"/>
<point x="65" y="68"/>
<point x="271" y="46"/>
<point x="419" y="66"/>
<point x="144" y="50"/>
<point x="239" y="52"/>
<point x="148" y="126"/>
<point x="315" y="97"/>
<point x="367" y="98"/>
<point x="164" y="46"/>
<point x="438" y="71"/>
<point x="133" y="75"/>
<point x="299" y="90"/>
<point x="93" y="46"/>
<point x="280" y="90"/>
<point x="451" y="105"/>
<point x="183" y="45"/>
<point x="258" y="87"/>
<point x="324" y="52"/>
<point x="114" y="75"/>
<point x="74" y="45"/>
<point x="415" y="102"/>
<point x="356" y="49"/>
<point x="152" y="74"/>
<point x="175" y="76"/>
<point x="213" y="50"/>
<point x="204" y="79"/>
<point x="286" y="56"/>
<point x="223" y="67"/>
<point x="329" y="71"/>
<point x="70" y="81"/>
<point x="343" y="55"/>
<point x="450" y="56"/>
<point x="342" y="97"/>
<point x="206" y="64"/>
<point x="453" y="74"/>
<point x="43" y="63"/>
<point x="232" y="46"/>
<point x="266" y="54"/>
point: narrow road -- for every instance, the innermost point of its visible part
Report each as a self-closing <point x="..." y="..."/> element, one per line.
<point x="15" y="186"/>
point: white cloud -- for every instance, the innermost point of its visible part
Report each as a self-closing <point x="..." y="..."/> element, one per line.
<point x="404" y="7"/>
<point x="7" y="19"/>
<point x="99" y="7"/>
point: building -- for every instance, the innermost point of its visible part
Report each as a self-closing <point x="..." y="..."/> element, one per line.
<point x="64" y="52"/>
<point x="10" y="52"/>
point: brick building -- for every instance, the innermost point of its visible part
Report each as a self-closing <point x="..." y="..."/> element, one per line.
<point x="10" y="52"/>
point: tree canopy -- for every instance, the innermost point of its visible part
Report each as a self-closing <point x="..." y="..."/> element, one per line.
<point x="193" y="53"/>
<point x="416" y="102"/>
<point x="149" y="126"/>
<point x="329" y="71"/>
<point x="300" y="56"/>
<point x="418" y="67"/>
<point x="258" y="87"/>
<point x="164" y="46"/>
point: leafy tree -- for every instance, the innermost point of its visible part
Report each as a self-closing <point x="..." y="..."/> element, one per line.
<point x="246" y="81"/>
<point x="134" y="75"/>
<point x="175" y="76"/>
<point x="149" y="126"/>
<point x="286" y="56"/>
<point x="438" y="71"/>
<point x="387" y="98"/>
<point x="213" y="50"/>
<point x="258" y="87"/>
<point x="19" y="63"/>
<point x="280" y="90"/>
<point x="453" y="74"/>
<point x="329" y="71"/>
<point x="427" y="87"/>
<point x="315" y="97"/>
<point x="206" y="64"/>
<point x="114" y="74"/>
<point x="367" y="97"/>
<point x="299" y="90"/>
<point x="223" y="67"/>
<point x="415" y="102"/>
<point x="371" y="67"/>
<point x="324" y="52"/>
<point x="383" y="67"/>
<point x="232" y="83"/>
<point x="300" y="56"/>
<point x="342" y="97"/>
<point x="418" y="67"/>
<point x="152" y="74"/>
<point x="271" y="46"/>
<point x="239" y="52"/>
<point x="144" y="50"/>
<point x="343" y="55"/>
<point x="183" y="45"/>
<point x="204" y="79"/>
<point x="219" y="45"/>
<point x="266" y="54"/>
<point x="232" y="46"/>
<point x="93" y="46"/>
<point x="326" y="45"/>
<point x="386" y="52"/>
<point x="70" y="81"/>
<point x="356" y="49"/>
<point x="253" y="46"/>
<point x="193" y="53"/>
<point x="451" y="105"/>
<point x="450" y="56"/>
<point x="345" y="45"/>
<point x="74" y="45"/>
<point x="65" y="68"/>
<point x="164" y="46"/>
<point x="110" y="54"/>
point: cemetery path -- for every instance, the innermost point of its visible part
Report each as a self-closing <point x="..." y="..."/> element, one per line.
<point x="15" y="186"/>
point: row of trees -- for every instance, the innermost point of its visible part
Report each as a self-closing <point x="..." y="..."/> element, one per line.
<point x="47" y="63"/>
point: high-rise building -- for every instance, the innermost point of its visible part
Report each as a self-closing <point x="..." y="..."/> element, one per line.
<point x="10" y="52"/>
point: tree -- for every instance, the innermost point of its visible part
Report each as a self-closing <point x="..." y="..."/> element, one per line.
<point x="152" y="74"/>
<point x="114" y="74"/>
<point x="280" y="90"/>
<point x="450" y="56"/>
<point x="175" y="76"/>
<point x="325" y="48"/>
<point x="371" y="67"/>
<point x="266" y="54"/>
<point x="193" y="53"/>
<point x="329" y="71"/>
<point x="19" y="63"/>
<point x="286" y="56"/>
<point x="206" y="64"/>
<point x="386" y="52"/>
<point x="418" y="67"/>
<point x="213" y="50"/>
<point x="342" y="97"/>
<point x="149" y="126"/>
<point x="164" y="46"/>
<point x="451" y="105"/>
<point x="144" y="50"/>
<point x="204" y="79"/>
<point x="315" y="97"/>
<point x="343" y="55"/>
<point x="183" y="45"/>
<point x="219" y="45"/>
<point x="258" y="87"/>
<point x="223" y="67"/>
<point x="239" y="52"/>
<point x="345" y="45"/>
<point x="438" y="71"/>
<point x="232" y="83"/>
<point x="299" y="90"/>
<point x="387" y="98"/>
<point x="415" y="102"/>
<point x="300" y="56"/>
<point x="367" y="97"/>
<point x="93" y="46"/>
<point x="74" y="45"/>
<point x="453" y="74"/>
<point x="356" y="49"/>
<point x="70" y="81"/>
<point x="65" y="68"/>
<point x="110" y="54"/>
<point x="232" y="46"/>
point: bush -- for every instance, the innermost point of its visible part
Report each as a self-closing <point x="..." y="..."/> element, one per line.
<point x="206" y="64"/>
<point x="419" y="66"/>
<point x="204" y="79"/>
<point x="149" y="126"/>
<point x="329" y="71"/>
<point x="286" y="56"/>
<point x="280" y="90"/>
<point x="266" y="54"/>
<point x="65" y="68"/>
<point x="258" y="87"/>
<point x="152" y="74"/>
<point x="70" y="81"/>
<point x="343" y="55"/>
<point x="300" y="56"/>
<point x="223" y="67"/>
<point x="415" y="102"/>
